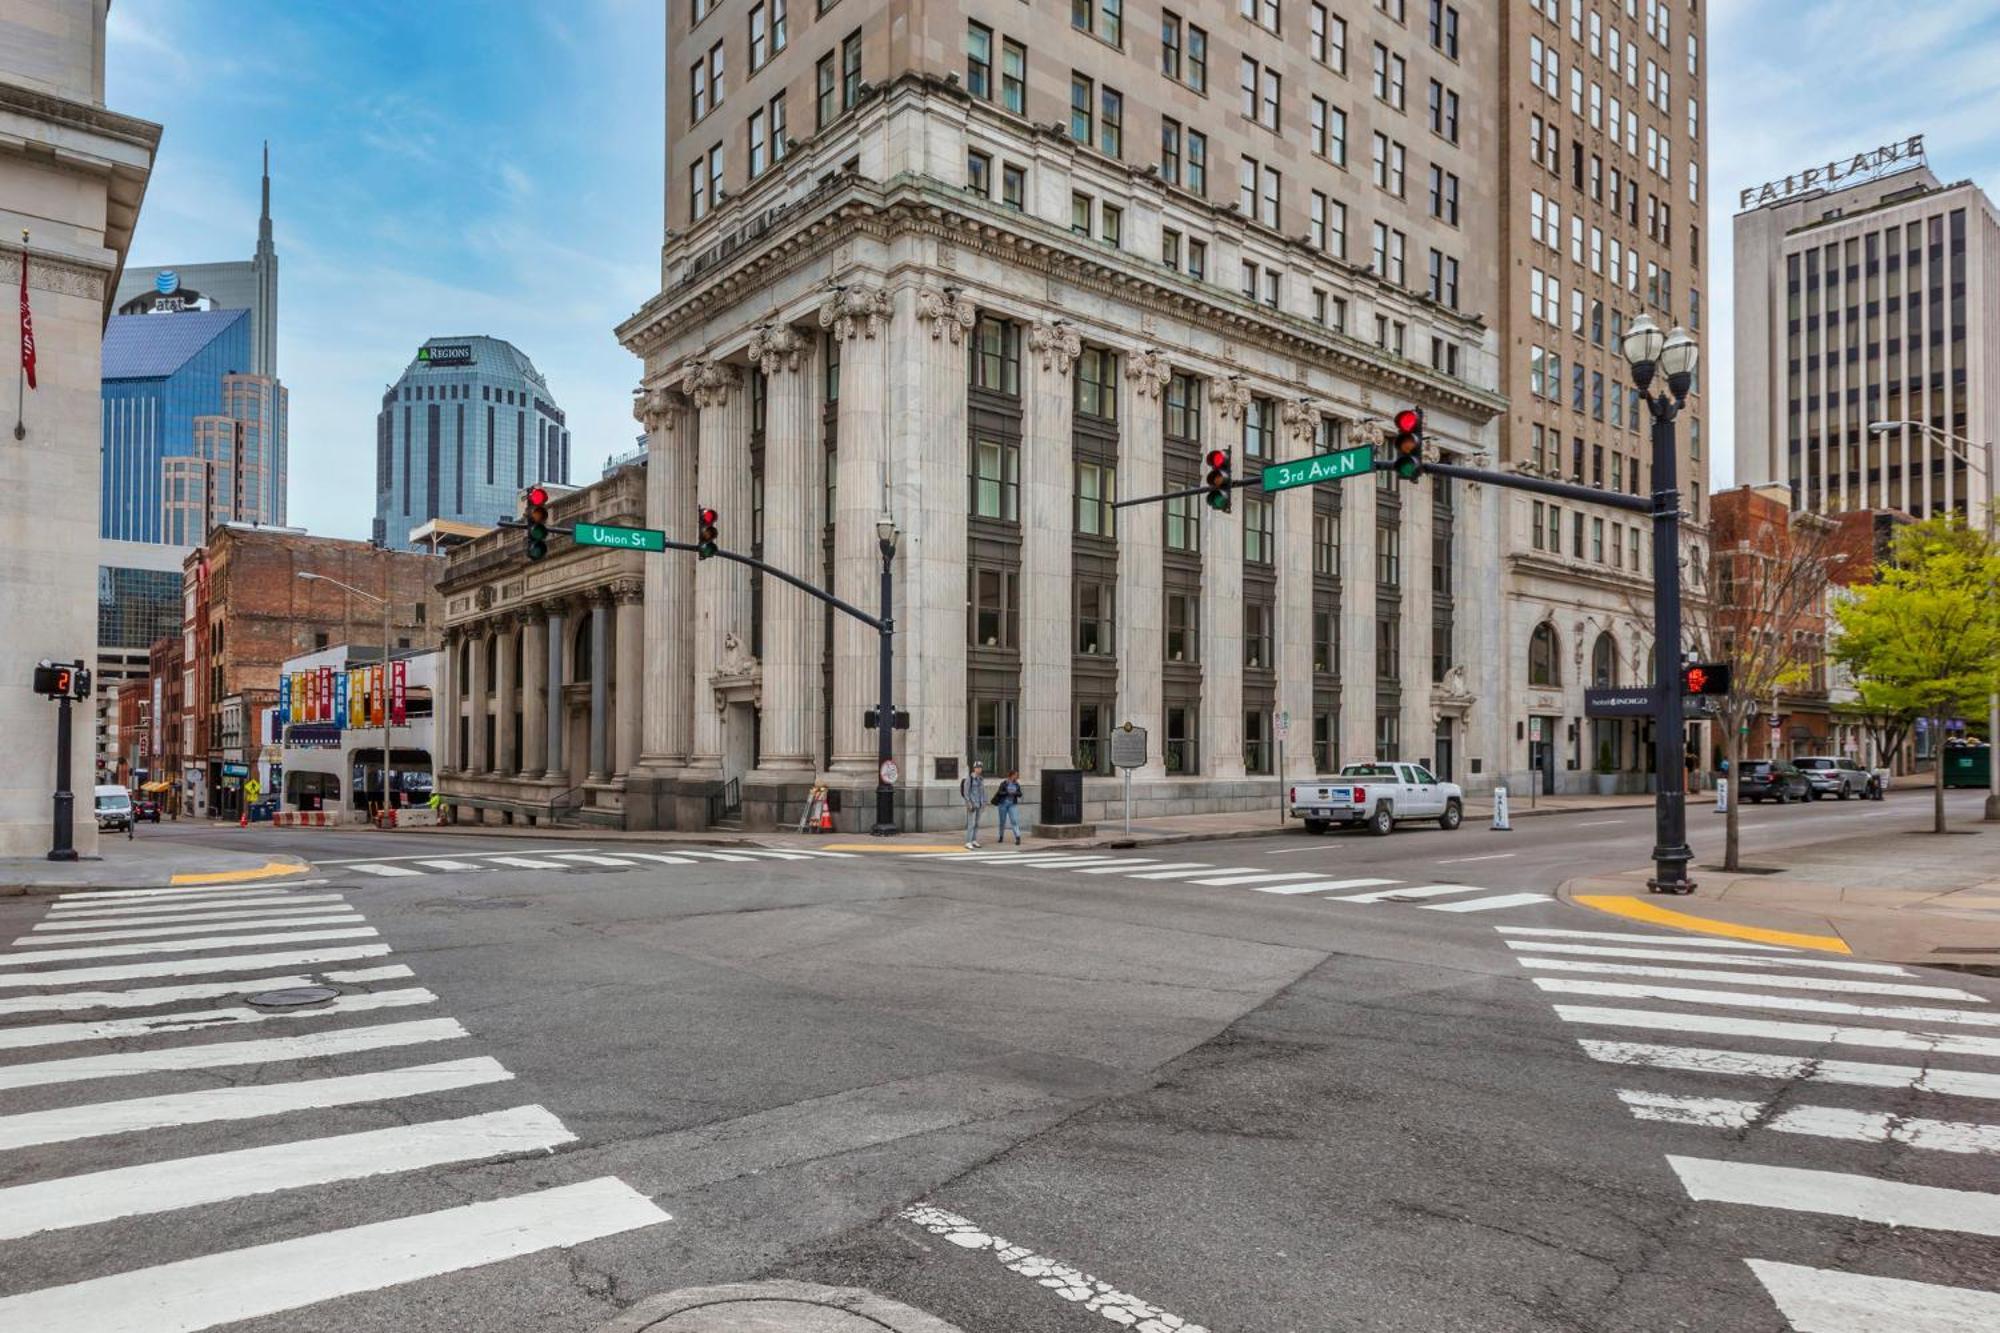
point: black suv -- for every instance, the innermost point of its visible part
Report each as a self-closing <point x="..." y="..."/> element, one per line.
<point x="1772" y="780"/>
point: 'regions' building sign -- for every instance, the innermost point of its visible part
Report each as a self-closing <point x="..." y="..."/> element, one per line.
<point x="1879" y="162"/>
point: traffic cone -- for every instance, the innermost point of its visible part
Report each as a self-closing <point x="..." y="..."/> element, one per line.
<point x="825" y="818"/>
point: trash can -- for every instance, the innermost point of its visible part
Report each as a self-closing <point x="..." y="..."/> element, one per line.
<point x="1062" y="796"/>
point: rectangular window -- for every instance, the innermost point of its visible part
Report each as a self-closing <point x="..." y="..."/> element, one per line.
<point x="1259" y="546"/>
<point x="1182" y="753"/>
<point x="1183" y="627"/>
<point x="824" y="85"/>
<point x="979" y="172"/>
<point x="996" y="479"/>
<point x="1257" y="618"/>
<point x="850" y="69"/>
<point x="1013" y="186"/>
<point x="996" y="355"/>
<point x="1013" y="76"/>
<point x="1326" y="543"/>
<point x="1388" y="555"/>
<point x="1112" y="226"/>
<point x="1081" y="207"/>
<point x="979" y="60"/>
<point x="1095" y="632"/>
<point x="1082" y="109"/>
<point x="1183" y="523"/>
<point x="1328" y="40"/>
<point x="993" y="611"/>
<point x="759" y="144"/>
<point x="1197" y="163"/>
<point x="1111" y="123"/>
<point x="1097" y="383"/>
<point x="1170" y="150"/>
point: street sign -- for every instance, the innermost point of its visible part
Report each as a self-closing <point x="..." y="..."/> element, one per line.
<point x="1320" y="467"/>
<point x="253" y="789"/>
<point x="624" y="539"/>
<point x="1285" y="725"/>
<point x="1128" y="747"/>
<point x="1637" y="701"/>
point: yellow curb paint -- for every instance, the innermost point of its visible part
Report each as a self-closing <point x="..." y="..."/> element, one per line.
<point x="269" y="870"/>
<point x="1639" y="909"/>
<point x="893" y="847"/>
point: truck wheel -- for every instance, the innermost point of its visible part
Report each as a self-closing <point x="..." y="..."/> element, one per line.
<point x="1315" y="826"/>
<point x="1452" y="817"/>
<point x="1383" y="822"/>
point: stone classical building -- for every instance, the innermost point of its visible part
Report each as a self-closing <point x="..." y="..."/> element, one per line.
<point x="541" y="685"/>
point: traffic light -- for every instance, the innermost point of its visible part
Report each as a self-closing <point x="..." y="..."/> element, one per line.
<point x="1218" y="479"/>
<point x="1409" y="451"/>
<point x="706" y="534"/>
<point x="1698" y="678"/>
<point x="537" y="515"/>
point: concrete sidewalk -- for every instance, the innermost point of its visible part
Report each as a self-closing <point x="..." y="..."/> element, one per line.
<point x="141" y="863"/>
<point x="1905" y="897"/>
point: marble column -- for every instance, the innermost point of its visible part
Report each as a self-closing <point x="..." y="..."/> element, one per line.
<point x="1221" y="740"/>
<point x="600" y="683"/>
<point x="793" y="621"/>
<point x="1141" y="607"/>
<point x="627" y="683"/>
<point x="1293" y="518"/>
<point x="1357" y="607"/>
<point x="1048" y="487"/>
<point x="444" y="743"/>
<point x="929" y="448"/>
<point x="721" y="587"/>
<point x="482" y="757"/>
<point x="558" y="635"/>
<point x="857" y="318"/>
<point x="1419" y="722"/>
<point x="535" y="693"/>
<point x="668" y="712"/>
<point x="505" y="761"/>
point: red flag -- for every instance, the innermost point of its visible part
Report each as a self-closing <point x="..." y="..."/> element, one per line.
<point x="27" y="322"/>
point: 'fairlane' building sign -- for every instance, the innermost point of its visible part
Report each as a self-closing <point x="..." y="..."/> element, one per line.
<point x="1909" y="153"/>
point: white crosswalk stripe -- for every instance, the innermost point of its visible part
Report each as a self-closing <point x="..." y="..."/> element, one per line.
<point x="384" y="870"/>
<point x="1321" y="886"/>
<point x="1493" y="904"/>
<point x="290" y="1115"/>
<point x="1754" y="1099"/>
<point x="204" y="893"/>
<point x="1256" y="877"/>
<point x="555" y="858"/>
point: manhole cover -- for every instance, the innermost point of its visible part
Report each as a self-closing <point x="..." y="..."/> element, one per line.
<point x="294" y="996"/>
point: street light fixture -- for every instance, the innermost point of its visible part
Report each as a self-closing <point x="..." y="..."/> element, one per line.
<point x="1650" y="352"/>
<point x="885" y="715"/>
<point x="388" y="759"/>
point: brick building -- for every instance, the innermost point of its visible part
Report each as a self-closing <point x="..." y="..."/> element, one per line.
<point x="1756" y="524"/>
<point x="167" y="743"/>
<point x="248" y="610"/>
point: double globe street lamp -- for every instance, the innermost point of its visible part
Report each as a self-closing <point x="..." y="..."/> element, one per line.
<point x="1651" y="354"/>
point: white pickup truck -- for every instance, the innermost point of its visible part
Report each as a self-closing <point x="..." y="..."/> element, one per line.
<point x="1379" y="795"/>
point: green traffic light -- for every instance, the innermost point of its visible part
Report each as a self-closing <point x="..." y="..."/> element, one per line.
<point x="1219" y="500"/>
<point x="1408" y="468"/>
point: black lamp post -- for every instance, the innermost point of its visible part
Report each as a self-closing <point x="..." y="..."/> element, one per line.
<point x="885" y="716"/>
<point x="1650" y="353"/>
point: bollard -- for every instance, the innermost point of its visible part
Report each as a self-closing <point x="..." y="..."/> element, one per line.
<point x="1501" y="824"/>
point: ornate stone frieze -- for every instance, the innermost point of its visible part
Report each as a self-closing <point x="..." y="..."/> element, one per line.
<point x="855" y="310"/>
<point x="776" y="347"/>
<point x="1301" y="421"/>
<point x="1057" y="345"/>
<point x="708" y="382"/>
<point x="1231" y="397"/>
<point x="947" y="313"/>
<point x="656" y="408"/>
<point x="628" y="591"/>
<point x="1149" y="372"/>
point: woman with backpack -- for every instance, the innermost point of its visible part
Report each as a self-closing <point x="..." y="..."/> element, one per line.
<point x="1008" y="798"/>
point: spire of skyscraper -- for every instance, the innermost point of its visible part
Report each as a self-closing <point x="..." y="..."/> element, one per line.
<point x="264" y="219"/>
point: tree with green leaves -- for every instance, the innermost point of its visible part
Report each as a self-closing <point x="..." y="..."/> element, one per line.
<point x="1924" y="637"/>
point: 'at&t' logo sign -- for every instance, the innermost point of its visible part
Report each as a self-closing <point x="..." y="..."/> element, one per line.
<point x="167" y="282"/>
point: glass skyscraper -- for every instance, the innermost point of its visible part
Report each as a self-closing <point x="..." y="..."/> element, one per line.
<point x="468" y="425"/>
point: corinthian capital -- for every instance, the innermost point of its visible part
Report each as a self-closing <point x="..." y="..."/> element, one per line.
<point x="946" y="312"/>
<point x="1232" y="398"/>
<point x="708" y="382"/>
<point x="1301" y="421"/>
<point x="1057" y="345"/>
<point x="1149" y="372"/>
<point x="656" y="408"/>
<point x="855" y="310"/>
<point x="776" y="347"/>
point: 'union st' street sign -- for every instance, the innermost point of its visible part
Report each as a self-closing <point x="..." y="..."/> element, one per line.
<point x="625" y="539"/>
<point x="1320" y="467"/>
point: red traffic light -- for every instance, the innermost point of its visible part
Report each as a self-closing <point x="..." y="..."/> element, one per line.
<point x="1409" y="421"/>
<point x="1218" y="458"/>
<point x="537" y="495"/>
<point x="1697" y="680"/>
<point x="708" y="518"/>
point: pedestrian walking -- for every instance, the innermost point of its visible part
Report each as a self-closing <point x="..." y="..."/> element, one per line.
<point x="1008" y="800"/>
<point x="972" y="790"/>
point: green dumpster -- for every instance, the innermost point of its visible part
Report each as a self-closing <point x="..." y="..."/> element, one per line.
<point x="1968" y="765"/>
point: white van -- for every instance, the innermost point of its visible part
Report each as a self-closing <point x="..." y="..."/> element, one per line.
<point x="114" y="808"/>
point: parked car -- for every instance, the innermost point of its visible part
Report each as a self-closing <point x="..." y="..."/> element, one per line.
<point x="114" y="807"/>
<point x="1379" y="795"/>
<point x="1834" y="776"/>
<point x="146" y="808"/>
<point x="1772" y="780"/>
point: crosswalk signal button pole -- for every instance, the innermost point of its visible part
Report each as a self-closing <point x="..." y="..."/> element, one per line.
<point x="537" y="516"/>
<point x="705" y="530"/>
<point x="1218" y="479"/>
<point x="1409" y="452"/>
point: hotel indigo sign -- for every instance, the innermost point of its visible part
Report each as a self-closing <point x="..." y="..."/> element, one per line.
<point x="1909" y="152"/>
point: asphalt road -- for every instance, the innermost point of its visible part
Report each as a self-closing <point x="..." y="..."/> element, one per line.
<point x="1037" y="1096"/>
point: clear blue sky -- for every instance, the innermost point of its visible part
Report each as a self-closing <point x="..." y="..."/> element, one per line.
<point x="459" y="166"/>
<point x="494" y="166"/>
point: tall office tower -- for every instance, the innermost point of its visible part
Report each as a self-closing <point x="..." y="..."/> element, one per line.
<point x="1865" y="296"/>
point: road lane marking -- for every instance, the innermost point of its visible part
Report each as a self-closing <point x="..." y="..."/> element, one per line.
<point x="191" y="967"/>
<point x="188" y="894"/>
<point x="1321" y="885"/>
<point x="122" y="1029"/>
<point x="1836" y="1194"/>
<point x="587" y="858"/>
<point x="1155" y="869"/>
<point x="97" y="1119"/>
<point x="1672" y="941"/>
<point x="1409" y="891"/>
<point x="1190" y="870"/>
<point x="1821" y="1300"/>
<point x="1712" y="958"/>
<point x="716" y="856"/>
<point x="225" y="1054"/>
<point x="202" y="1293"/>
<point x="1616" y="904"/>
<point x="1490" y="904"/>
<point x="446" y="863"/>
<point x="908" y="849"/>
<point x="1070" y="1284"/>
<point x="186" y="946"/>
<point x="187" y="1182"/>
<point x="1061" y="862"/>
<point x="126" y="930"/>
<point x="1826" y="1122"/>
<point x="148" y="996"/>
<point x="1619" y="990"/>
<point x="385" y="871"/>
<point x="1258" y="877"/>
<point x="1819" y="1034"/>
<point x="419" y="856"/>
<point x="143" y="916"/>
<point x="525" y="862"/>
<point x="1791" y="981"/>
<point x="1600" y="823"/>
<point x="1852" y="1073"/>
<point x="1495" y="856"/>
<point x="269" y="870"/>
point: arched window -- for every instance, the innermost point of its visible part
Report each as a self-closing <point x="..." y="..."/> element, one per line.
<point x="1604" y="662"/>
<point x="465" y="667"/>
<point x="1543" y="668"/>
<point x="580" y="652"/>
<point x="492" y="651"/>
